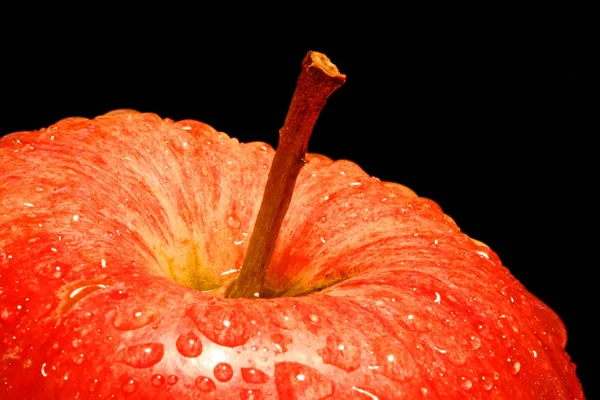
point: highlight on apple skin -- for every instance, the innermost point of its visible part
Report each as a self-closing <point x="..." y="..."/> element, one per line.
<point x="121" y="235"/>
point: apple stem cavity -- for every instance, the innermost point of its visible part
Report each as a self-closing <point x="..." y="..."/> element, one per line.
<point x="318" y="79"/>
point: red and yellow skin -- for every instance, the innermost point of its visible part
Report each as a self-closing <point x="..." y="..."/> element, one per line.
<point x="119" y="234"/>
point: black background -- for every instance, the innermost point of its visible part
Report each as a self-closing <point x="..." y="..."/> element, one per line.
<point x="479" y="110"/>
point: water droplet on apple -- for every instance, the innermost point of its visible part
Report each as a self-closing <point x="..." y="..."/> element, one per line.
<point x="298" y="381"/>
<point x="233" y="222"/>
<point x="280" y="341"/>
<point x="79" y="293"/>
<point x="43" y="370"/>
<point x="223" y="372"/>
<point x="172" y="379"/>
<point x="368" y="393"/>
<point x="342" y="351"/>
<point x="120" y="294"/>
<point x="466" y="383"/>
<point x="394" y="361"/>
<point x="487" y="382"/>
<point x="78" y="358"/>
<point x="53" y="270"/>
<point x="507" y="340"/>
<point x="189" y="344"/>
<point x="141" y="355"/>
<point x="516" y="368"/>
<point x="93" y="386"/>
<point x="135" y="319"/>
<point x="475" y="342"/>
<point x="453" y="349"/>
<point x="250" y="394"/>
<point x="157" y="380"/>
<point x="285" y="320"/>
<point x="11" y="315"/>
<point x="129" y="386"/>
<point x="417" y="321"/>
<point x="205" y="384"/>
<point x="253" y="375"/>
<point x="223" y="323"/>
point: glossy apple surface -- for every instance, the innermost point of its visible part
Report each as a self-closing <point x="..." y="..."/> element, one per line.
<point x="118" y="234"/>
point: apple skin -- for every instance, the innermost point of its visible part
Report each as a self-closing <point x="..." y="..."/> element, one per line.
<point x="118" y="235"/>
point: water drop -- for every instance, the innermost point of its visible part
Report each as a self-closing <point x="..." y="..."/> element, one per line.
<point x="516" y="368"/>
<point x="120" y="294"/>
<point x="223" y="372"/>
<point x="285" y="320"/>
<point x="342" y="352"/>
<point x="417" y="321"/>
<point x="85" y="289"/>
<point x="78" y="358"/>
<point x="507" y="341"/>
<point x="313" y="384"/>
<point x="53" y="270"/>
<point x="223" y="323"/>
<point x="394" y="361"/>
<point x="141" y="355"/>
<point x="189" y="344"/>
<point x="157" y="380"/>
<point x="253" y="375"/>
<point x="475" y="342"/>
<point x="10" y="315"/>
<point x="233" y="222"/>
<point x="458" y="354"/>
<point x="129" y="386"/>
<point x="93" y="386"/>
<point x="135" y="319"/>
<point x="368" y="394"/>
<point x="250" y="394"/>
<point x="205" y="384"/>
<point x="172" y="379"/>
<point x="466" y="384"/>
<point x="280" y="341"/>
<point x="43" y="370"/>
<point x="487" y="383"/>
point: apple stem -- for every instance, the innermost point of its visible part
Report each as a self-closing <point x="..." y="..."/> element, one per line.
<point x="318" y="79"/>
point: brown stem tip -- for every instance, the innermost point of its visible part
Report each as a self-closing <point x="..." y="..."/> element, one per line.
<point x="318" y="79"/>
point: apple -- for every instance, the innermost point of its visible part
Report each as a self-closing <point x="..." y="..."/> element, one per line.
<point x="151" y="259"/>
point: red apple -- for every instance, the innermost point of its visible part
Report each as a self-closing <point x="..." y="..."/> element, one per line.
<point x="121" y="238"/>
